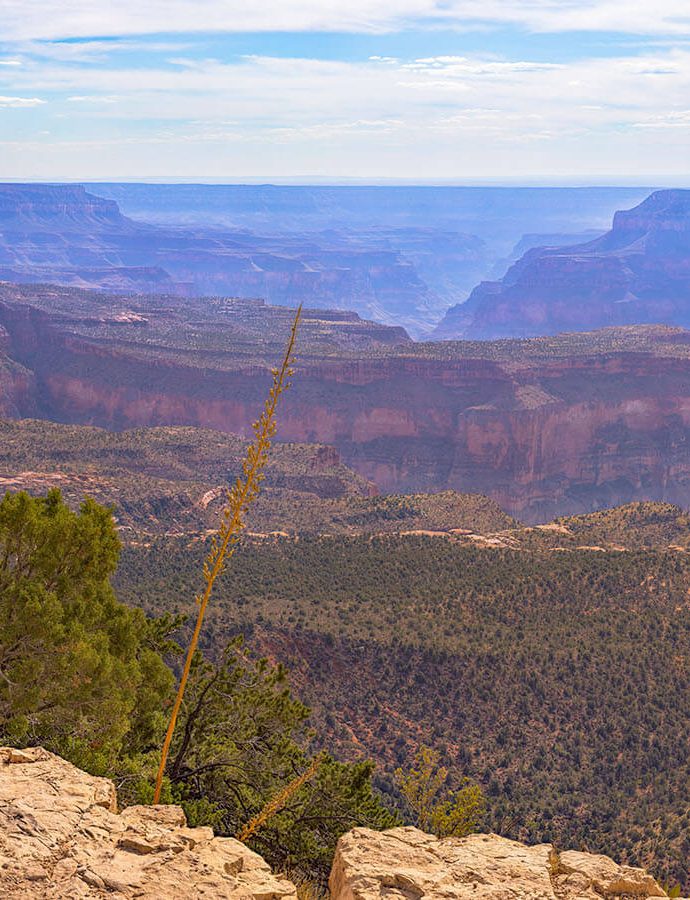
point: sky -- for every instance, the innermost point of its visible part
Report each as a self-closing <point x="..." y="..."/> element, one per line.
<point x="539" y="91"/>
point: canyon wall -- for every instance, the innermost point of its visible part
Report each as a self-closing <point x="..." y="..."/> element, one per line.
<point x="569" y="429"/>
<point x="636" y="273"/>
<point x="411" y="426"/>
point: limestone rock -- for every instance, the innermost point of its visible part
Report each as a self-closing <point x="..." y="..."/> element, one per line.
<point x="607" y="878"/>
<point x="62" y="839"/>
<point x="407" y="864"/>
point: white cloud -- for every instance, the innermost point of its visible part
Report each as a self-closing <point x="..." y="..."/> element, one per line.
<point x="259" y="93"/>
<point x="441" y="116"/>
<point x="92" y="50"/>
<point x="41" y="19"/>
<point x="676" y="119"/>
<point x="96" y="99"/>
<point x="20" y="102"/>
<point x="462" y="66"/>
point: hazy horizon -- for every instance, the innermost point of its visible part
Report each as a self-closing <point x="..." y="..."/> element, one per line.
<point x="372" y="181"/>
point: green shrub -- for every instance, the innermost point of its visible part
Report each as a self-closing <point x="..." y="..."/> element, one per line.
<point x="435" y="808"/>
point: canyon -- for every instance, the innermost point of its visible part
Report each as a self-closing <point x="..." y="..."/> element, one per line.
<point x="398" y="255"/>
<point x="411" y="257"/>
<point x="498" y="215"/>
<point x="404" y="274"/>
<point x="636" y="273"/>
<point x="544" y="427"/>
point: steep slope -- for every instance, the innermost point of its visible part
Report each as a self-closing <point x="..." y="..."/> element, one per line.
<point x="547" y="427"/>
<point x="638" y="272"/>
<point x="171" y="480"/>
<point x="556" y="678"/>
<point x="17" y="386"/>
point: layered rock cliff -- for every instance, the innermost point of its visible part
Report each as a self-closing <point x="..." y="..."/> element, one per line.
<point x="26" y="208"/>
<point x="545" y="428"/>
<point x="67" y="235"/>
<point x="636" y="273"/>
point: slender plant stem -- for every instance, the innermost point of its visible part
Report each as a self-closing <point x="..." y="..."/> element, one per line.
<point x="244" y="491"/>
<point x="278" y="802"/>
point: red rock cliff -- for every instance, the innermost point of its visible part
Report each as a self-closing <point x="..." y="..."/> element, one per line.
<point x="571" y="425"/>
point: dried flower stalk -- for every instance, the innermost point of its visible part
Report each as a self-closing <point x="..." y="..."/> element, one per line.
<point x="278" y="802"/>
<point x="238" y="500"/>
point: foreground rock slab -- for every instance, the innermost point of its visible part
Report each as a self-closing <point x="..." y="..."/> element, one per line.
<point x="407" y="864"/>
<point x="62" y="838"/>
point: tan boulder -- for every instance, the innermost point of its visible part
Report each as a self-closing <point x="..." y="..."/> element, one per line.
<point x="606" y="877"/>
<point x="407" y="864"/>
<point x="62" y="839"/>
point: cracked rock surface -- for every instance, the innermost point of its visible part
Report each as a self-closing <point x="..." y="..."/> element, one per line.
<point x="407" y="864"/>
<point x="62" y="838"/>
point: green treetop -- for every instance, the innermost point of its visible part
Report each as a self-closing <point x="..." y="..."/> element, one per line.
<point x="80" y="672"/>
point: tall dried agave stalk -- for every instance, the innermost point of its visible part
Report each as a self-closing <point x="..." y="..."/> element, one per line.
<point x="238" y="500"/>
<point x="278" y="802"/>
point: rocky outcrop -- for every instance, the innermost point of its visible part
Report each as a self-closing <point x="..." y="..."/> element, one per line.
<point x="407" y="864"/>
<point x="636" y="273"/>
<point x="61" y="838"/>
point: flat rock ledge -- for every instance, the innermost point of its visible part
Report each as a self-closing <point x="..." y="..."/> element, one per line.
<point x="407" y="864"/>
<point x="62" y="838"/>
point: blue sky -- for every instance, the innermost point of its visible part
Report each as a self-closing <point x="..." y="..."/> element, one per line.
<point x="536" y="90"/>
